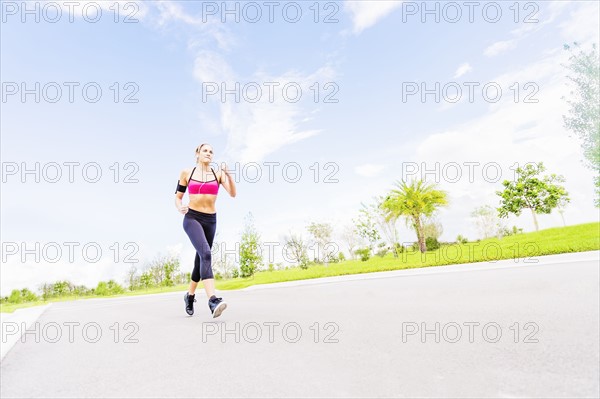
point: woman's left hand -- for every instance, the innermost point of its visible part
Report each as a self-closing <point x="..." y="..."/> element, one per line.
<point x="224" y="168"/>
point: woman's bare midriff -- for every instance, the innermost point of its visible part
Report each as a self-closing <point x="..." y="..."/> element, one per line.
<point x="203" y="203"/>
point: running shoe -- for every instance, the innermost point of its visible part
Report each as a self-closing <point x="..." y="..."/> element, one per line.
<point x="216" y="306"/>
<point x="189" y="303"/>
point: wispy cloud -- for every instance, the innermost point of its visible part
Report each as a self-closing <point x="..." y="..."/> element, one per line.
<point x="511" y="133"/>
<point x="586" y="29"/>
<point x="205" y="32"/>
<point x="462" y="70"/>
<point x="365" y="14"/>
<point x="500" y="47"/>
<point x="255" y="130"/>
<point x="583" y="17"/>
<point x="172" y="11"/>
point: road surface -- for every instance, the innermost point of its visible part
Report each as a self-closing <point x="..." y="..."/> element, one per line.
<point x="503" y="329"/>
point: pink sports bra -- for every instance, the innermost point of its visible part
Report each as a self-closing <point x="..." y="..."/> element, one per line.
<point x="203" y="187"/>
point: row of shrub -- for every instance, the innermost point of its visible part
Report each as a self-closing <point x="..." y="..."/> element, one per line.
<point x="431" y="243"/>
<point x="63" y="289"/>
<point x="161" y="272"/>
<point x="164" y="272"/>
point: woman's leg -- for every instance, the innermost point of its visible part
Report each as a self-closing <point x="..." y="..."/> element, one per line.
<point x="201" y="233"/>
<point x="195" y="278"/>
<point x="216" y="305"/>
<point x="210" y="228"/>
<point x="209" y="286"/>
<point x="209" y="283"/>
<point x="193" y="285"/>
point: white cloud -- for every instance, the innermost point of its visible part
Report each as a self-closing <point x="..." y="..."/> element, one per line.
<point x="210" y="67"/>
<point x="172" y="11"/>
<point x="531" y="16"/>
<point x="510" y="133"/>
<point x="586" y="29"/>
<point x="365" y="14"/>
<point x="206" y="31"/>
<point x="368" y="169"/>
<point x="500" y="47"/>
<point x="462" y="70"/>
<point x="159" y="14"/>
<point x="582" y="25"/>
<point x="255" y="130"/>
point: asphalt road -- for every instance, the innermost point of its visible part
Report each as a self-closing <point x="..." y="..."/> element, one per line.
<point x="501" y="329"/>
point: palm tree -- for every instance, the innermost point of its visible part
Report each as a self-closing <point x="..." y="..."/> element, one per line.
<point x="414" y="202"/>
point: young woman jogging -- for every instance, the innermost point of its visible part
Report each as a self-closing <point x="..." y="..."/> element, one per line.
<point x="200" y="222"/>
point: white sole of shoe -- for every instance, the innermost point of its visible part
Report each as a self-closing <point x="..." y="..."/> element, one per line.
<point x="219" y="309"/>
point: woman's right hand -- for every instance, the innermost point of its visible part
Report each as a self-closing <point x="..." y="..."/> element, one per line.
<point x="183" y="209"/>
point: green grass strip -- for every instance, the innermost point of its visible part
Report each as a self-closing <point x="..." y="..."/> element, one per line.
<point x="525" y="247"/>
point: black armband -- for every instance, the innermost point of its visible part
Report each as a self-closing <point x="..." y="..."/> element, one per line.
<point x="180" y="188"/>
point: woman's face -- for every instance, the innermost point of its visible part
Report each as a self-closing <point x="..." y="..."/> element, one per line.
<point x="205" y="154"/>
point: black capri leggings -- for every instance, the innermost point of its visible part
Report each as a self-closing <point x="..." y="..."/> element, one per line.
<point x="201" y="227"/>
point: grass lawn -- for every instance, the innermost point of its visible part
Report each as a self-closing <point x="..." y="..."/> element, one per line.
<point x="579" y="238"/>
<point x="526" y="247"/>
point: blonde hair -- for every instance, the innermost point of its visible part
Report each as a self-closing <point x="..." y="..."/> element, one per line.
<point x="200" y="147"/>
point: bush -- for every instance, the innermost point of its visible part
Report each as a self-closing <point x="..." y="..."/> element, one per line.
<point x="332" y="258"/>
<point x="62" y="288"/>
<point x="15" y="297"/>
<point x="235" y="273"/>
<point x="460" y="239"/>
<point x="364" y="253"/>
<point x="28" y="296"/>
<point x="341" y="256"/>
<point x="382" y="249"/>
<point x="303" y="262"/>
<point x="108" y="288"/>
<point x="102" y="289"/>
<point x="21" y="296"/>
<point x="146" y="279"/>
<point x="115" y="288"/>
<point x="432" y="243"/>
<point x="81" y="290"/>
<point x="398" y="249"/>
<point x="505" y="232"/>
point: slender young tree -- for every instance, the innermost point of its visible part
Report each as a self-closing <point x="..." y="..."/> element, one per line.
<point x="366" y="226"/>
<point x="562" y="204"/>
<point x="296" y="250"/>
<point x="351" y="239"/>
<point x="321" y="233"/>
<point x="486" y="221"/>
<point x="250" y="255"/>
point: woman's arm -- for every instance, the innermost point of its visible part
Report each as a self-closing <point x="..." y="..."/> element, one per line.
<point x="227" y="181"/>
<point x="179" y="194"/>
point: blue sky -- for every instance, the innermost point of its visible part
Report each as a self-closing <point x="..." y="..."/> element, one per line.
<point x="374" y="51"/>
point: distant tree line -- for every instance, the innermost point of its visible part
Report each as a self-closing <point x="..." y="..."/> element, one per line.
<point x="163" y="271"/>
